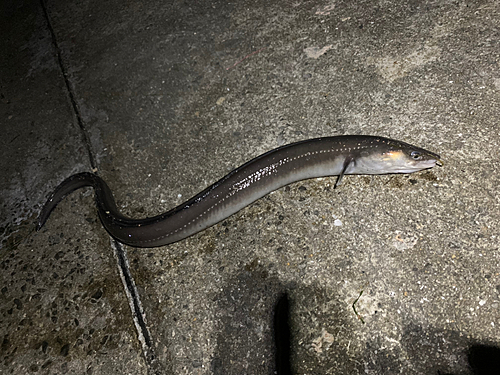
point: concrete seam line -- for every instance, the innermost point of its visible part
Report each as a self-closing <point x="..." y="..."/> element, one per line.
<point x="83" y="129"/>
<point x="135" y="306"/>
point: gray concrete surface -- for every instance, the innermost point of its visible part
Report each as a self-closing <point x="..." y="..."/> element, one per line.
<point x="162" y="99"/>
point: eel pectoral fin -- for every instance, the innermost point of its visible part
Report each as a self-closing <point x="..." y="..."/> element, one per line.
<point x="347" y="162"/>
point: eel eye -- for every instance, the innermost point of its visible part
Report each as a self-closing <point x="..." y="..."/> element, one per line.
<point x="415" y="155"/>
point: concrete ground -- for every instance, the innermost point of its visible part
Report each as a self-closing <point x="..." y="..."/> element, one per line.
<point x="385" y="275"/>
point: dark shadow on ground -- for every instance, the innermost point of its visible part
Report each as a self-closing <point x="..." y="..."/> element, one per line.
<point x="483" y="360"/>
<point x="282" y="336"/>
<point x="268" y="327"/>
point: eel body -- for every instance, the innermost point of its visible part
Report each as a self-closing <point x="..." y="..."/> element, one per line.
<point x="330" y="156"/>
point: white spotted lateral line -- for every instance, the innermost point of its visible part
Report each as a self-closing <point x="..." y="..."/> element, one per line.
<point x="252" y="178"/>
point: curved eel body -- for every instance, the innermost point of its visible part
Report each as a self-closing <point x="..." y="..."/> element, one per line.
<point x="331" y="156"/>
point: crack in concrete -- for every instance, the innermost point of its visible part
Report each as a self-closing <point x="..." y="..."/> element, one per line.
<point x="136" y="307"/>
<point x="74" y="104"/>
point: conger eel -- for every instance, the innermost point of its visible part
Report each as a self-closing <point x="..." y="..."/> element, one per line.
<point x="330" y="156"/>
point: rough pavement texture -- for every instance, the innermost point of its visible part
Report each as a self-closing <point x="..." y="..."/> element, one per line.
<point x="164" y="98"/>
